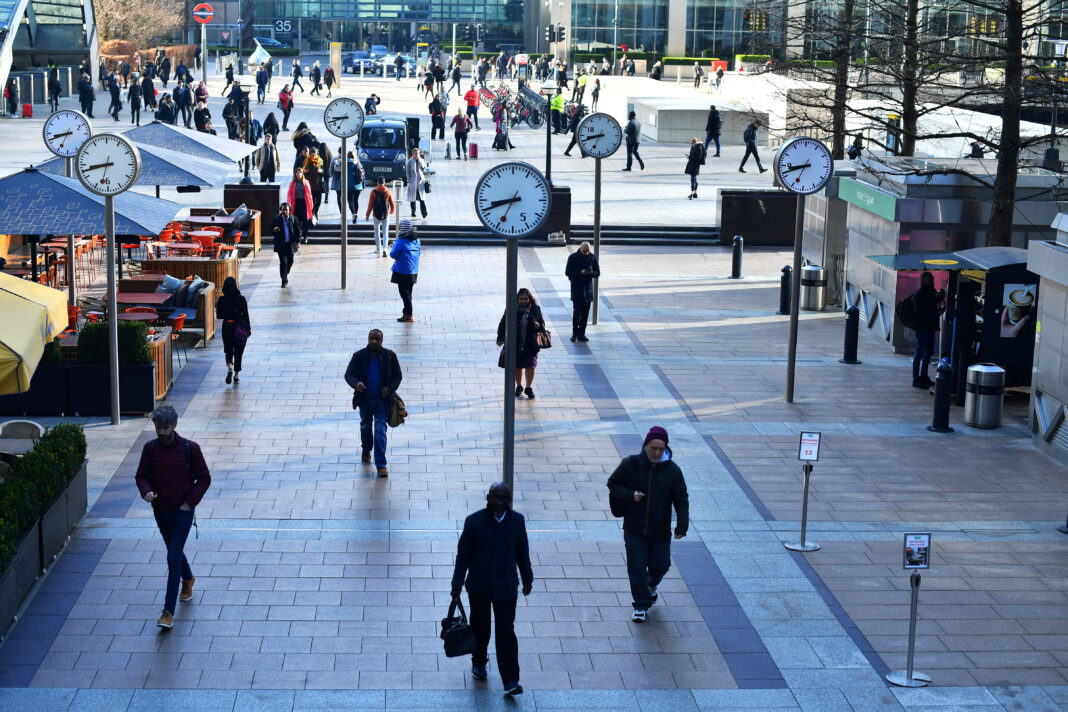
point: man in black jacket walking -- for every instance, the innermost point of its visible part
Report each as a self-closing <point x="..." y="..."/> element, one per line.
<point x="582" y="268"/>
<point x="632" y="132"/>
<point x="750" y="138"/>
<point x="492" y="547"/>
<point x="927" y="304"/>
<point x="645" y="487"/>
<point x="713" y="126"/>
<point x="374" y="374"/>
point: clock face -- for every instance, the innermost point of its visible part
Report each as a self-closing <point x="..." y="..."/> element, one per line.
<point x="65" y="131"/>
<point x="108" y="164"/>
<point x="803" y="165"/>
<point x="343" y="117"/>
<point x="599" y="135"/>
<point x="512" y="199"/>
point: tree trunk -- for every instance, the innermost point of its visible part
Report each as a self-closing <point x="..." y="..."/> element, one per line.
<point x="842" y="51"/>
<point x="999" y="229"/>
<point x="909" y="79"/>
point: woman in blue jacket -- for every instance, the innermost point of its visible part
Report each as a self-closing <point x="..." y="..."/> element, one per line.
<point x="405" y="254"/>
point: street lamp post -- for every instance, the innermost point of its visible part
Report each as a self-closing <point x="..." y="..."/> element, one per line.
<point x="615" y="35"/>
<point x="548" y="87"/>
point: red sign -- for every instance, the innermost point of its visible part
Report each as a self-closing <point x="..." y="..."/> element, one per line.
<point x="225" y="35"/>
<point x="203" y="13"/>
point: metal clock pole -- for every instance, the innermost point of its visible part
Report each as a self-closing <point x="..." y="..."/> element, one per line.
<point x="342" y="205"/>
<point x="113" y="308"/>
<point x="511" y="287"/>
<point x="72" y="294"/>
<point x="795" y="299"/>
<point x="596" y="229"/>
<point x="204" y="53"/>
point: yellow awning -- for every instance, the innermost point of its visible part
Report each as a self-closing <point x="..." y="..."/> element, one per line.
<point x="30" y="316"/>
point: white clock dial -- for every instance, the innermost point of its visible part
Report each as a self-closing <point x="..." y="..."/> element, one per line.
<point x="599" y="135"/>
<point x="65" y="131"/>
<point x="512" y="199"/>
<point x="108" y="164"/>
<point x="803" y="165"/>
<point x="343" y="117"/>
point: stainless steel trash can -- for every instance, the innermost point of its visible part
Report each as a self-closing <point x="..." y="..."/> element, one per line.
<point x="813" y="288"/>
<point x="984" y="393"/>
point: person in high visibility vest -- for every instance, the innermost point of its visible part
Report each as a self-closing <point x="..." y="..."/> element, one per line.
<point x="557" y="107"/>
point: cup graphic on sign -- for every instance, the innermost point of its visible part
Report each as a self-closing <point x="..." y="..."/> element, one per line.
<point x="1017" y="308"/>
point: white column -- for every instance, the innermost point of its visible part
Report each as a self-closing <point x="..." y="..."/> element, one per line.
<point x="676" y="35"/>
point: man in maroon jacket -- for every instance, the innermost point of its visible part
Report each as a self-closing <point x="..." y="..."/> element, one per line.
<point x="173" y="478"/>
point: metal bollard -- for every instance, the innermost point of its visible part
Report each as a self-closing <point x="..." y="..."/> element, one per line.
<point x="909" y="677"/>
<point x="784" y="290"/>
<point x="943" y="392"/>
<point x="736" y="257"/>
<point x="852" y="333"/>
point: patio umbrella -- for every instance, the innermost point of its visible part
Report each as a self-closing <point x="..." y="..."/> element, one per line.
<point x="162" y="166"/>
<point x="42" y="313"/>
<point x="190" y="143"/>
<point x="36" y="203"/>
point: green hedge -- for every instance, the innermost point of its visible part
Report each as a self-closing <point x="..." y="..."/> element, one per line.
<point x="583" y="57"/>
<point x="35" y="481"/>
<point x="822" y="63"/>
<point x="52" y="356"/>
<point x="703" y="61"/>
<point x="133" y="343"/>
<point x="460" y="46"/>
<point x="751" y="58"/>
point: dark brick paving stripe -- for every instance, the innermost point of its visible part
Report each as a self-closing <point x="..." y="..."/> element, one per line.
<point x="23" y="652"/>
<point x="738" y="641"/>
<point x="738" y="479"/>
<point x="626" y="329"/>
<point x="600" y="391"/>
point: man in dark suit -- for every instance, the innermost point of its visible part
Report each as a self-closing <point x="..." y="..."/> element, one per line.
<point x="286" y="239"/>
<point x="492" y="547"/>
<point x="582" y="268"/>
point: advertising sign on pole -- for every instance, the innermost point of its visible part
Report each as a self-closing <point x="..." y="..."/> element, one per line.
<point x="810" y="447"/>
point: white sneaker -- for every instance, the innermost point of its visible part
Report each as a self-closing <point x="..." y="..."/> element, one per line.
<point x="638" y="616"/>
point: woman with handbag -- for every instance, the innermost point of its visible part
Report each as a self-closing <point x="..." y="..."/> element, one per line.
<point x="415" y="172"/>
<point x="530" y="337"/>
<point x="232" y="311"/>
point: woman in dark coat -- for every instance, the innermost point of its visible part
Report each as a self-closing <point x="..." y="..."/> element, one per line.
<point x="437" y="118"/>
<point x="270" y="126"/>
<point x="693" y="165"/>
<point x="529" y="323"/>
<point x="232" y="311"/>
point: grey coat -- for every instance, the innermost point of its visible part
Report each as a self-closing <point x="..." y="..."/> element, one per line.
<point x="414" y="171"/>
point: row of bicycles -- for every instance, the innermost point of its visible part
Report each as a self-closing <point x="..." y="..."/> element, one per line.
<point x="524" y="106"/>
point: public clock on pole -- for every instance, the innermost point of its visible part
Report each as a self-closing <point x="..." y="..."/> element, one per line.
<point x="343" y="117"/>
<point x="65" y="131"/>
<point x="512" y="199"/>
<point x="108" y="164"/>
<point x="803" y="165"/>
<point x="599" y="135"/>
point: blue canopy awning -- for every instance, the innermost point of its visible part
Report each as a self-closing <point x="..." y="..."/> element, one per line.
<point x="36" y="203"/>
<point x="189" y="142"/>
<point x="161" y="166"/>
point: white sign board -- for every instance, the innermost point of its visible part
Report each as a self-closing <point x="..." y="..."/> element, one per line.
<point x="917" y="554"/>
<point x="809" y="450"/>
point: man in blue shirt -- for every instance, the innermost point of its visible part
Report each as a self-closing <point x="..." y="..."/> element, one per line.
<point x="374" y="375"/>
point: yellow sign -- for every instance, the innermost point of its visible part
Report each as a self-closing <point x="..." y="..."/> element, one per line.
<point x="944" y="263"/>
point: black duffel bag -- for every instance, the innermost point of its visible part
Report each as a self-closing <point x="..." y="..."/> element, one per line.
<point x="459" y="637"/>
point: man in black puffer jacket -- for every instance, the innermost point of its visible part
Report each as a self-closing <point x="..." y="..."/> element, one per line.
<point x="644" y="487"/>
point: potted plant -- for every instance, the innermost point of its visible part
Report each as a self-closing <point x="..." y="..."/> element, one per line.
<point x="90" y="379"/>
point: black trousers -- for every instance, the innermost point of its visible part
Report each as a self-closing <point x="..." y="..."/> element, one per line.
<point x="285" y="263"/>
<point x="187" y="115"/>
<point x="648" y="559"/>
<point x="317" y="201"/>
<point x="503" y="633"/>
<point x="285" y="118"/>
<point x="267" y="175"/>
<point x="461" y="145"/>
<point x="580" y="315"/>
<point x="751" y="150"/>
<point x="405" y="283"/>
<point x="632" y="153"/>
<point x="438" y="130"/>
<point x="303" y="224"/>
<point x="574" y="142"/>
<point x="233" y="348"/>
<point x="135" y="114"/>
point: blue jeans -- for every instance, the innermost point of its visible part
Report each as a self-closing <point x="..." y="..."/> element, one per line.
<point x="709" y="138"/>
<point x="174" y="526"/>
<point x="374" y="408"/>
<point x="693" y="182"/>
<point x="924" y="349"/>
<point x="648" y="560"/>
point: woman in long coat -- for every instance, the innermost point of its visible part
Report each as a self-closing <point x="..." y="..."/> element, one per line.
<point x="693" y="165"/>
<point x="415" y="172"/>
<point x="529" y="322"/>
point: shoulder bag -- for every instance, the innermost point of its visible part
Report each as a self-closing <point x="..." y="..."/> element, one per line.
<point x="397" y="412"/>
<point x="459" y="637"/>
<point x="545" y="339"/>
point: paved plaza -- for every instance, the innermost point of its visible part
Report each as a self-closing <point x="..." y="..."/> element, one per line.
<point x="320" y="586"/>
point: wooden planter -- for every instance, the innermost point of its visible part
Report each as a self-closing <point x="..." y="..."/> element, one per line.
<point x="47" y="394"/>
<point x="62" y="517"/>
<point x="90" y="392"/>
<point x="20" y="574"/>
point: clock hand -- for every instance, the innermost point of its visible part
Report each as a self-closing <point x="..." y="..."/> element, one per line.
<point x="100" y="165"/>
<point x="797" y="168"/>
<point x="61" y="135"/>
<point x="513" y="201"/>
<point x="600" y="135"/>
<point x="506" y="201"/>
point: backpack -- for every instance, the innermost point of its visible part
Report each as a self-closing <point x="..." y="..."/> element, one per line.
<point x="703" y="155"/>
<point x="380" y="208"/>
<point x="356" y="175"/>
<point x="905" y="311"/>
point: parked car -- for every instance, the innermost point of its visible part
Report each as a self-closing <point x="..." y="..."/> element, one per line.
<point x="351" y="62"/>
<point x="385" y="142"/>
<point x="269" y="43"/>
<point x="386" y="66"/>
<point x="378" y="51"/>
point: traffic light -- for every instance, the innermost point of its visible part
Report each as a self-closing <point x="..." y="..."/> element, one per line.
<point x="468" y="33"/>
<point x="550" y="34"/>
<point x="480" y="33"/>
<point x="561" y="33"/>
